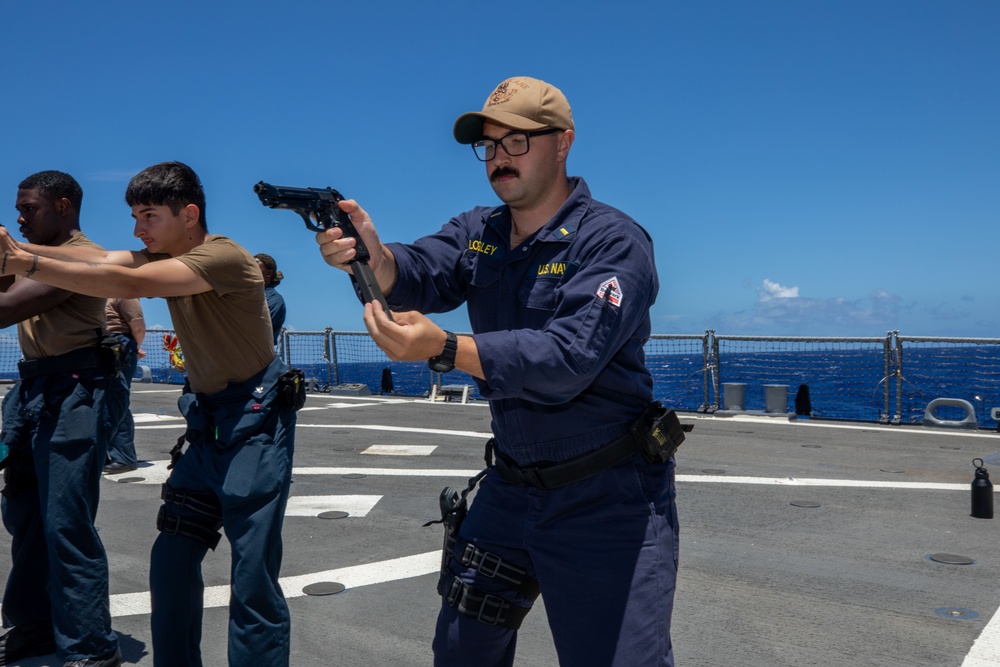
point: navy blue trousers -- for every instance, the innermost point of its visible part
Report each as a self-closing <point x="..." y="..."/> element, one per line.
<point x="250" y="479"/>
<point x="604" y="551"/>
<point x="57" y="428"/>
<point x="122" y="446"/>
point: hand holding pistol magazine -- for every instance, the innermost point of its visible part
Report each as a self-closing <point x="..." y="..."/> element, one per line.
<point x="319" y="209"/>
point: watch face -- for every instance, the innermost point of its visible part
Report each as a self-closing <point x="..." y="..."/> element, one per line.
<point x="445" y="361"/>
<point x="439" y="365"/>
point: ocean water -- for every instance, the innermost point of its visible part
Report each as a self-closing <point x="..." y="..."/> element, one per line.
<point x="846" y="384"/>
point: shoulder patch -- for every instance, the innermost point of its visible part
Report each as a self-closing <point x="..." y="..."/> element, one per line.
<point x="611" y="291"/>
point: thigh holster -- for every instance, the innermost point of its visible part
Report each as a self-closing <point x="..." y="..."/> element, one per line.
<point x="201" y="521"/>
<point x="490" y="565"/>
<point x="465" y="598"/>
<point x="484" y="607"/>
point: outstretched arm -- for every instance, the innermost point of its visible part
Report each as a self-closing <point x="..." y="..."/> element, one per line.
<point x="117" y="274"/>
<point x="27" y="298"/>
<point x="82" y="253"/>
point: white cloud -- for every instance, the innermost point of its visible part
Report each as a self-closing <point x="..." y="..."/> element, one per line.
<point x="773" y="290"/>
<point x="781" y="311"/>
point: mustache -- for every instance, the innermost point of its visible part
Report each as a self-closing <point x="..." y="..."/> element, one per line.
<point x="505" y="170"/>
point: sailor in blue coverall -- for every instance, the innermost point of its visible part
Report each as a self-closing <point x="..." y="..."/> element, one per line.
<point x="560" y="314"/>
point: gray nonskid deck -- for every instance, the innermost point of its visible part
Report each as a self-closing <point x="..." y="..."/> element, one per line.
<point x="802" y="543"/>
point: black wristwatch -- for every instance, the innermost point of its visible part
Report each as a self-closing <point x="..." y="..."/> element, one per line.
<point x="445" y="361"/>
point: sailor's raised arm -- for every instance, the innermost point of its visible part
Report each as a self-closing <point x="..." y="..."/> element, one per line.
<point x="66" y="253"/>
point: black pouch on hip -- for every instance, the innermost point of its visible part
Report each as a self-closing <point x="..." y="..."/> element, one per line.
<point x="658" y="433"/>
<point x="112" y="353"/>
<point x="291" y="389"/>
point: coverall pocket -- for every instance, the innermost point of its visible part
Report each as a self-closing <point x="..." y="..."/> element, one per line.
<point x="543" y="294"/>
<point x="256" y="469"/>
<point x="237" y="422"/>
<point x="479" y="270"/>
<point x="76" y="421"/>
<point x="592" y="334"/>
<point x="655" y="482"/>
<point x="14" y="417"/>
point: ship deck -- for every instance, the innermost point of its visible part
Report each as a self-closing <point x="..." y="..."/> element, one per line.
<point x="803" y="542"/>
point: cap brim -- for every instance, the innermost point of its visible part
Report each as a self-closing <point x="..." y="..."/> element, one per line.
<point x="469" y="126"/>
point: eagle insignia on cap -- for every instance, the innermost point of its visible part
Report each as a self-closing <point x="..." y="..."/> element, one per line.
<point x="501" y="94"/>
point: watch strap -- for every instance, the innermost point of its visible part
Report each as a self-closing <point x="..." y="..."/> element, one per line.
<point x="445" y="361"/>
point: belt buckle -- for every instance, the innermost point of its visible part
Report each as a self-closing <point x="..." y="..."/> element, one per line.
<point x="454" y="591"/>
<point x="497" y="604"/>
<point x="489" y="564"/>
<point x="468" y="554"/>
<point x="167" y="522"/>
<point x="529" y="477"/>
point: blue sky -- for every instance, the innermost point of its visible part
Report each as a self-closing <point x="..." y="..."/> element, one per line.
<point x="804" y="167"/>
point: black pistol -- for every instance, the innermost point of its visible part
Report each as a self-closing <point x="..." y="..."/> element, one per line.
<point x="319" y="210"/>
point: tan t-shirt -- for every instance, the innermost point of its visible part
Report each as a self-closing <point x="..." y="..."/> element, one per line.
<point x="225" y="334"/>
<point x="120" y="312"/>
<point x="74" y="323"/>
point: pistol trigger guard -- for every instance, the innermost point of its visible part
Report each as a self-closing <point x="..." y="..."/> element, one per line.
<point x="308" y="220"/>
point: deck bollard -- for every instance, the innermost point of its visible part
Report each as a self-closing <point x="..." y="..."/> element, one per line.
<point x="776" y="398"/>
<point x="733" y="395"/>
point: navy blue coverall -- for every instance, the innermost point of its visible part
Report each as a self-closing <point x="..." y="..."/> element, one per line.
<point x="57" y="427"/>
<point x="236" y="475"/>
<point x="560" y="322"/>
<point x="121" y="449"/>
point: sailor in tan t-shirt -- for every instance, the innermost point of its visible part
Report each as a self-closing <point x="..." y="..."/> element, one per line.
<point x="237" y="469"/>
<point x="127" y="324"/>
<point x="56" y="423"/>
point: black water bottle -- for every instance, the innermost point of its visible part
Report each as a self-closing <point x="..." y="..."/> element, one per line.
<point x="982" y="492"/>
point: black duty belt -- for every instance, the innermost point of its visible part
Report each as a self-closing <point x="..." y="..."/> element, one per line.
<point x="78" y="360"/>
<point x="560" y="474"/>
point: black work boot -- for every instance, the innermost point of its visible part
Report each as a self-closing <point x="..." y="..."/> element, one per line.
<point x="112" y="660"/>
<point x="25" y="641"/>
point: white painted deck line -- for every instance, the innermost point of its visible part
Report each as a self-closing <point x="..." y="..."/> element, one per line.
<point x="985" y="651"/>
<point x="368" y="427"/>
<point x="134" y="604"/>
<point x="840" y="483"/>
<point x="155" y="472"/>
<point x="400" y="450"/>
<point x="395" y="429"/>
<point x="148" y="417"/>
<point x="355" y="506"/>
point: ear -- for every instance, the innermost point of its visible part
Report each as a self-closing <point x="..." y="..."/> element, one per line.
<point x="192" y="215"/>
<point x="63" y="206"/>
<point x="565" y="142"/>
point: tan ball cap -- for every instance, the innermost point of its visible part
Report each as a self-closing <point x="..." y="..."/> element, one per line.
<point x="520" y="103"/>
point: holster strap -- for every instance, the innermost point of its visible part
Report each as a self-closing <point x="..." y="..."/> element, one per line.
<point x="192" y="501"/>
<point x="196" y="529"/>
<point x="484" y="607"/>
<point x="490" y="565"/>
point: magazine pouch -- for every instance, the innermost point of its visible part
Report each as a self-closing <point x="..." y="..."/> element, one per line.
<point x="292" y="389"/>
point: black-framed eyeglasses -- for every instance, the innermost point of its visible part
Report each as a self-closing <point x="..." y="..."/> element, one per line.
<point x="514" y="143"/>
